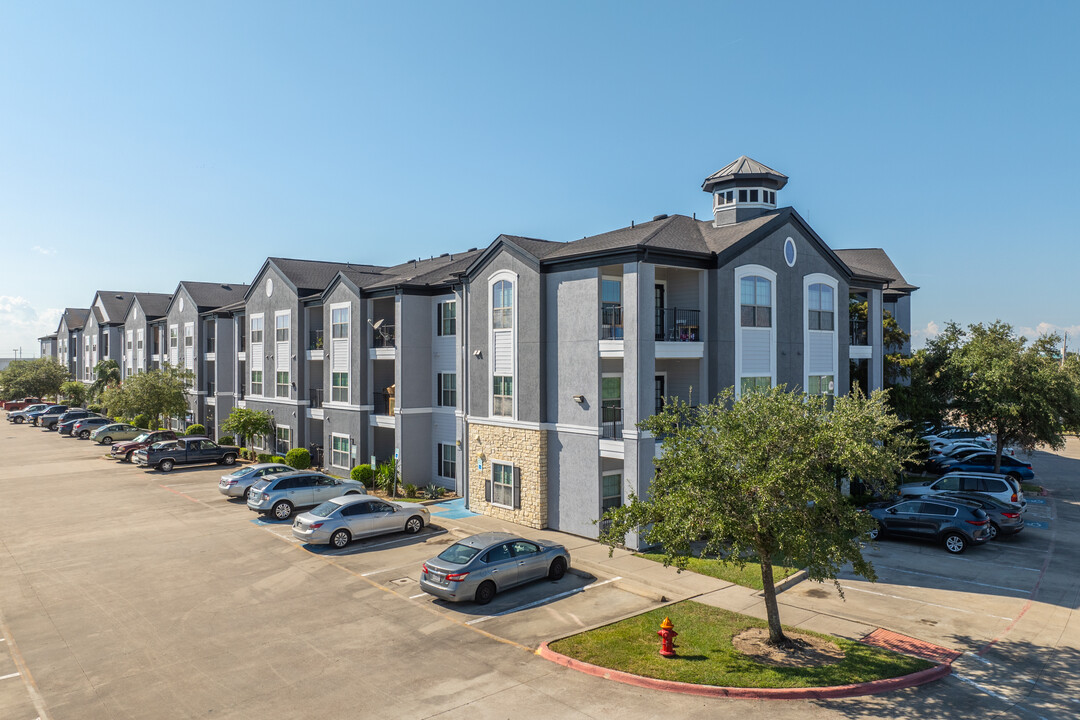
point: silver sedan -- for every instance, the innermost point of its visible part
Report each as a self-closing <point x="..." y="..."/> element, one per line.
<point x="479" y="566"/>
<point x="340" y="520"/>
<point x="239" y="481"/>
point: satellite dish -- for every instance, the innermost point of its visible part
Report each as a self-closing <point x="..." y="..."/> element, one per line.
<point x="377" y="324"/>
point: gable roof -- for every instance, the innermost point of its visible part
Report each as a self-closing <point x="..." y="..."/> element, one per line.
<point x="311" y="277"/>
<point x="75" y="318"/>
<point x="111" y="306"/>
<point x="154" y="305"/>
<point x="208" y="296"/>
<point x="874" y="263"/>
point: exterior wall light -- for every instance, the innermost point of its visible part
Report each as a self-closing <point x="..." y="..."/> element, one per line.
<point x="579" y="399"/>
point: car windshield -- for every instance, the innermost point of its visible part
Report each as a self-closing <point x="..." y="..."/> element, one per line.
<point x="142" y="437"/>
<point x="458" y="553"/>
<point x="325" y="509"/>
<point x="240" y="471"/>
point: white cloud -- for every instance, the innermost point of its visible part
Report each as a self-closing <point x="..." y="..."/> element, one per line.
<point x="43" y="251"/>
<point x="919" y="336"/>
<point x="1045" y="328"/>
<point x="21" y="324"/>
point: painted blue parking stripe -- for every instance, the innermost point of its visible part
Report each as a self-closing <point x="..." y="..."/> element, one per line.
<point x="452" y="510"/>
<point x="1036" y="524"/>
<point x="1036" y="501"/>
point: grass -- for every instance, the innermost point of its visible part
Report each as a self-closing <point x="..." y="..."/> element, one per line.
<point x="707" y="656"/>
<point x="748" y="576"/>
<point x="1031" y="488"/>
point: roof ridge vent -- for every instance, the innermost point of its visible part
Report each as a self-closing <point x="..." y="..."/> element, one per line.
<point x="663" y="216"/>
<point x="226" y="287"/>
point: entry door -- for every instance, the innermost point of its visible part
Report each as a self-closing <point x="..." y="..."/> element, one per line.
<point x="658" y="291"/>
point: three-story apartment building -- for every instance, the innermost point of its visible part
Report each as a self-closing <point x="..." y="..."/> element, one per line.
<point x="69" y="339"/>
<point x="140" y="323"/>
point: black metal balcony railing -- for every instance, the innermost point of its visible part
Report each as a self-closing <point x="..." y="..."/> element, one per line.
<point x="383" y="337"/>
<point x="678" y="325"/>
<point x="315" y="397"/>
<point x="383" y="404"/>
<point x="860" y="332"/>
<point x="611" y="327"/>
<point x="611" y="422"/>
<point x="315" y="340"/>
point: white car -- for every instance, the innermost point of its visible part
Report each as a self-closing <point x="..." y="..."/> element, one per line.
<point x="341" y="520"/>
<point x="1000" y="487"/>
<point x="950" y="447"/>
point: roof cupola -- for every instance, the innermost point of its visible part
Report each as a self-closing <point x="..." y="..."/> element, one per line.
<point x="743" y="190"/>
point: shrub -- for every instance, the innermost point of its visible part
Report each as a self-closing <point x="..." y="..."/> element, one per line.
<point x="195" y="429"/>
<point x="362" y="473"/>
<point x="264" y="457"/>
<point x="247" y="454"/>
<point x="94" y="407"/>
<point x="410" y="490"/>
<point x="142" y="420"/>
<point x="278" y="459"/>
<point x="433" y="491"/>
<point x="298" y="458"/>
<point x="226" y="440"/>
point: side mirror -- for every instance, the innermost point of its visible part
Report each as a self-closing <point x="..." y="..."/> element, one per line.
<point x="891" y="511"/>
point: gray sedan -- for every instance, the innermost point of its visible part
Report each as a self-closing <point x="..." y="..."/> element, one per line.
<point x="239" y="481"/>
<point x="340" y="520"/>
<point x="478" y="567"/>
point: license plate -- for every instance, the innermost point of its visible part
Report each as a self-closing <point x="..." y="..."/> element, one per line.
<point x="297" y="525"/>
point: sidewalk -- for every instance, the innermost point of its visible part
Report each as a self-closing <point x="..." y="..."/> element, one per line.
<point x="653" y="580"/>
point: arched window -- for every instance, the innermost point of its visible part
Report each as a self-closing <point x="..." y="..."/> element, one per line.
<point x="756" y="302"/>
<point x="822" y="307"/>
<point x="502" y="305"/>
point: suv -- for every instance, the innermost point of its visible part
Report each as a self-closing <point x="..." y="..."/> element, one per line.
<point x="83" y="428"/>
<point x="51" y="417"/>
<point x="983" y="462"/>
<point x="126" y="450"/>
<point x="954" y="523"/>
<point x="239" y="481"/>
<point x="280" y="495"/>
<point x="53" y="411"/>
<point x="1000" y="488"/>
<point x="20" y="416"/>
<point x="1005" y="518"/>
<point x="188" y="450"/>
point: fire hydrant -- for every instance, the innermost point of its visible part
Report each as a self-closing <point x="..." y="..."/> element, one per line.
<point x="667" y="638"/>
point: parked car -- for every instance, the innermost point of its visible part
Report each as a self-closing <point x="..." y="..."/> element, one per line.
<point x="67" y="427"/>
<point x="126" y="450"/>
<point x="279" y="496"/>
<point x="1004" y="489"/>
<point x="106" y="434"/>
<point x="20" y="416"/>
<point x="956" y="524"/>
<point x="1005" y="518"/>
<point x="957" y="434"/>
<point x="340" y="520"/>
<point x="50" y="417"/>
<point x="239" y="481"/>
<point x="950" y="447"/>
<point x="50" y="411"/>
<point x="187" y="450"/>
<point x="73" y="414"/>
<point x="83" y="428"/>
<point x="13" y="405"/>
<point x="480" y="566"/>
<point x="984" y="462"/>
<point x="938" y="464"/>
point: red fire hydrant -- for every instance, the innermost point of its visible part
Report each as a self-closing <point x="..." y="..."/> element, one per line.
<point x="667" y="638"/>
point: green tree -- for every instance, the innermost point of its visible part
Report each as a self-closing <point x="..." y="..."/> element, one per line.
<point x="106" y="373"/>
<point x="40" y="377"/>
<point x="156" y="393"/>
<point x="895" y="364"/>
<point x="1021" y="393"/>
<point x="74" y="392"/>
<point x="757" y="478"/>
<point x="246" y="423"/>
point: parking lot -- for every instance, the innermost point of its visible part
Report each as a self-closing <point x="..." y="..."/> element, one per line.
<point x="134" y="593"/>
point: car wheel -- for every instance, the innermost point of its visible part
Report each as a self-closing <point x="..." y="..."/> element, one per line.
<point x="247" y="493"/>
<point x="282" y="510"/>
<point x="107" y="440"/>
<point x="229" y="459"/>
<point x="557" y="569"/>
<point x="130" y="457"/>
<point x="84" y="434"/>
<point x="165" y="465"/>
<point x="414" y="525"/>
<point x="485" y="593"/>
<point x="20" y="420"/>
<point x="994" y="531"/>
<point x="53" y="426"/>
<point x="955" y="543"/>
<point x="340" y="538"/>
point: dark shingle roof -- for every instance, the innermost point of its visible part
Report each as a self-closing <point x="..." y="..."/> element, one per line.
<point x="744" y="168"/>
<point x="874" y="263"/>
<point x="154" y="305"/>
<point x="312" y="276"/>
<point x="76" y="317"/>
<point x="433" y="271"/>
<point x="208" y="296"/>
<point x="116" y="304"/>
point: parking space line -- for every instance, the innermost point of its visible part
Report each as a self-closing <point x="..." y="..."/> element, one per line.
<point x="541" y="601"/>
<point x="954" y="579"/>
<point x="923" y="602"/>
<point x="999" y="565"/>
<point x="5" y="677"/>
<point x="413" y="597"/>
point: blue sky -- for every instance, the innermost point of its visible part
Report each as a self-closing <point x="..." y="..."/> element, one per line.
<point x="146" y="143"/>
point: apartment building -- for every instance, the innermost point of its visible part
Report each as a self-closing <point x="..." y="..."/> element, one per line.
<point x="141" y="342"/>
<point x="47" y="346"/>
<point x="69" y="345"/>
<point x="103" y="334"/>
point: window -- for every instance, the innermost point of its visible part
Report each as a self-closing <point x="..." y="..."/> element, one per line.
<point x="189" y="337"/>
<point x="754" y="195"/>
<point x="256" y="382"/>
<point x="660" y="381"/>
<point x="821" y="307"/>
<point x="448" y="318"/>
<point x="339" y="322"/>
<point x="447" y="460"/>
<point x="611" y="309"/>
<point x="172" y="336"/>
<point x="749" y="384"/>
<point x="339" y="451"/>
<point x="756" y="302"/>
<point x="820" y="385"/>
<point x="447" y="389"/>
<point x="502" y="485"/>
<point x="730" y="196"/>
<point x="281" y="328"/>
<point x="742" y="196"/>
<point x="502" y="396"/>
<point x="284" y="440"/>
<point x="502" y="305"/>
<point x="283" y="383"/>
<point x="611" y="492"/>
<point x="339" y="391"/>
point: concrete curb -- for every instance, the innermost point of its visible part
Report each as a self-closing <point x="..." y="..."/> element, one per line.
<point x="814" y="693"/>
<point x="790" y="581"/>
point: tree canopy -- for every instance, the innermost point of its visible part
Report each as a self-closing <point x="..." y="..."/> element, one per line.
<point x="246" y="423"/>
<point x="156" y="393"/>
<point x="106" y="373"/>
<point x="40" y="377"/>
<point x="758" y="478"/>
<point x="74" y="392"/>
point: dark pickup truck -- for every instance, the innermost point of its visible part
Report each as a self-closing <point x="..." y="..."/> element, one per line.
<point x="185" y="451"/>
<point x="126" y="450"/>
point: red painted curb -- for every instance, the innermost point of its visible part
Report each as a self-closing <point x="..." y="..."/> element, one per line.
<point x="815" y="693"/>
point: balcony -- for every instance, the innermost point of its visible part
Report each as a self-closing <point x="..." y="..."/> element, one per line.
<point x="611" y="422"/>
<point x="611" y="322"/>
<point x="859" y="332"/>
<point x="315" y="340"/>
<point x="678" y="325"/>
<point x="382" y="414"/>
<point x="383" y="337"/>
<point x="315" y="398"/>
<point x="211" y="344"/>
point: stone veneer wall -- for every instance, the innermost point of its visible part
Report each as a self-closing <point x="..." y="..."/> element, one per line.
<point x="527" y="450"/>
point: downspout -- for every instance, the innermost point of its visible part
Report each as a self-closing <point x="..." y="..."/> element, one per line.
<point x="464" y="350"/>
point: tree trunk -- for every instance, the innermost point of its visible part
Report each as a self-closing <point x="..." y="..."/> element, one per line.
<point x="999" y="444"/>
<point x="772" y="612"/>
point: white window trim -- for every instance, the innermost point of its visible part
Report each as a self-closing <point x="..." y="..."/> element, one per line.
<point x="348" y="454"/>
<point x="278" y="429"/>
<point x="439" y="302"/>
<point x="262" y="319"/>
<point x="813" y="279"/>
<point x="622" y="490"/>
<point x="439" y="462"/>
<point x="770" y="275"/>
<point x="497" y="276"/>
<point x="513" y="481"/>
<point x="286" y="314"/>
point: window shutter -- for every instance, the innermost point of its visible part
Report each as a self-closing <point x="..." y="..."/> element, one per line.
<point x="438" y="388"/>
<point x="438" y="318"/>
<point x="488" y="485"/>
<point x="517" y="488"/>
